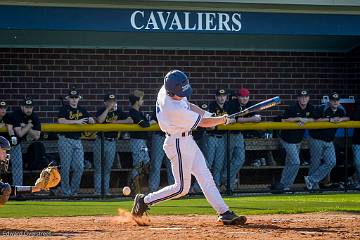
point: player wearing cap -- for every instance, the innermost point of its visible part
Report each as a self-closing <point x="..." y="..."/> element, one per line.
<point x="109" y="113"/>
<point x="301" y="113"/>
<point x="139" y="149"/>
<point x="237" y="144"/>
<point x="70" y="147"/>
<point x="27" y="127"/>
<point x="217" y="139"/>
<point x="321" y="142"/>
<point x="177" y="118"/>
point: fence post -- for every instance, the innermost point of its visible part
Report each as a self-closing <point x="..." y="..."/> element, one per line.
<point x="228" y="155"/>
<point x="102" y="163"/>
<point x="346" y="159"/>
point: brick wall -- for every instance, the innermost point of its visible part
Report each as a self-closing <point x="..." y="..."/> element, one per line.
<point x="47" y="74"/>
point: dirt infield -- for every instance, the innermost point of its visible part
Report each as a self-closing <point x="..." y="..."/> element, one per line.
<point x="294" y="226"/>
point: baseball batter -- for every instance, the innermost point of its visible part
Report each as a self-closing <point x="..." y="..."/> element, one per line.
<point x="177" y="118"/>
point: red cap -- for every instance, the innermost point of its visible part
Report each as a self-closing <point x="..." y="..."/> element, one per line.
<point x="243" y="92"/>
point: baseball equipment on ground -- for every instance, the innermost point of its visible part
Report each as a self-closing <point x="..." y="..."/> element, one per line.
<point x="177" y="83"/>
<point x="49" y="178"/>
<point x="258" y="107"/>
<point x="126" y="191"/>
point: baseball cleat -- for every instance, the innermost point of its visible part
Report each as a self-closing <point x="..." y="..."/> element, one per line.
<point x="139" y="207"/>
<point x="230" y="218"/>
<point x="308" y="183"/>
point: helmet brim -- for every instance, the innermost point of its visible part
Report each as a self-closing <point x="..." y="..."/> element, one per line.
<point x="187" y="93"/>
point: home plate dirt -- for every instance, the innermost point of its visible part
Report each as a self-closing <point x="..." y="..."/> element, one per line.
<point x="293" y="226"/>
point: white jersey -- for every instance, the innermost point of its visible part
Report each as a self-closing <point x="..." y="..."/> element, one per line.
<point x="175" y="116"/>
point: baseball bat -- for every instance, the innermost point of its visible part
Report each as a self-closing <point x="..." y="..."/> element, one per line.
<point x="258" y="107"/>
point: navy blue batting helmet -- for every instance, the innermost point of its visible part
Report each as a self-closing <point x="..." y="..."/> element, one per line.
<point x="4" y="159"/>
<point x="177" y="83"/>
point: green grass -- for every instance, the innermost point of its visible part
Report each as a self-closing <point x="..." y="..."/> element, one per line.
<point x="245" y="205"/>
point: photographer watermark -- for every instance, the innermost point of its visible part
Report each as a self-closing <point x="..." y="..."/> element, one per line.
<point x="28" y="233"/>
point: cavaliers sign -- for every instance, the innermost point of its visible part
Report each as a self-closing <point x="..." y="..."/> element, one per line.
<point x="185" y="21"/>
<point x="161" y="21"/>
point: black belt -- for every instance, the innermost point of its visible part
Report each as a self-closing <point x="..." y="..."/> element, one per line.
<point x="215" y="135"/>
<point x="73" y="138"/>
<point x="110" y="139"/>
<point x="184" y="134"/>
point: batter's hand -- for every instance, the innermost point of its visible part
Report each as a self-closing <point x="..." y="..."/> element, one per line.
<point x="228" y="120"/>
<point x="91" y="120"/>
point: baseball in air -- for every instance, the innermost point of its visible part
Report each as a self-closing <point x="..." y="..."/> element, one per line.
<point x="126" y="191"/>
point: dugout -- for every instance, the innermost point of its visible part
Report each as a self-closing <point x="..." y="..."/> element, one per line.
<point x="272" y="47"/>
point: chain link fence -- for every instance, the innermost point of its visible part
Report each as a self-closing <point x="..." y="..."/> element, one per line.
<point x="240" y="161"/>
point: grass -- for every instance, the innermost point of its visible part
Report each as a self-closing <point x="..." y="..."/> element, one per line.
<point x="283" y="204"/>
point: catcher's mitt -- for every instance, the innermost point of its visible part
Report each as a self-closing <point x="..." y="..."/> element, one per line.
<point x="49" y="178"/>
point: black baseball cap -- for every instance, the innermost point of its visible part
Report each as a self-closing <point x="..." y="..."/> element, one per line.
<point x="334" y="96"/>
<point x="3" y="104"/>
<point x="109" y="96"/>
<point x="204" y="106"/>
<point x="27" y="102"/>
<point x="220" y="92"/>
<point x="304" y="93"/>
<point x="73" y="93"/>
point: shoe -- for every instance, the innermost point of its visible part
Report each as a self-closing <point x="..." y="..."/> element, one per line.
<point x="311" y="186"/>
<point x="256" y="163"/>
<point x="230" y="218"/>
<point x="308" y="183"/>
<point x="263" y="161"/>
<point x="139" y="207"/>
<point x="279" y="188"/>
<point x="332" y="186"/>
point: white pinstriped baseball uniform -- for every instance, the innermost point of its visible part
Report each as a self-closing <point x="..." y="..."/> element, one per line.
<point x="177" y="120"/>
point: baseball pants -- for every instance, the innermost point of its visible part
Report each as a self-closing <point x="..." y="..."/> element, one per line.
<point x="109" y="156"/>
<point x="216" y="156"/>
<point x="322" y="159"/>
<point x="186" y="160"/>
<point x="292" y="163"/>
<point x="72" y="160"/>
<point x="356" y="153"/>
<point x="140" y="155"/>
<point x="16" y="165"/>
<point x="237" y="158"/>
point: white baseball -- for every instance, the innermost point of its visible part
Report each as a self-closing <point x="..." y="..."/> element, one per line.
<point x="126" y="191"/>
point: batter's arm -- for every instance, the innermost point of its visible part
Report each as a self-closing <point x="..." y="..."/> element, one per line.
<point x="212" y="121"/>
<point x="196" y="109"/>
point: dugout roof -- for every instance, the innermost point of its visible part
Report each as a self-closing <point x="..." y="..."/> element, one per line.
<point x="317" y="25"/>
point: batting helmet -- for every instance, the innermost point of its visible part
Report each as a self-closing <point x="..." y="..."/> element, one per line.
<point x="177" y="83"/>
<point x="4" y="157"/>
